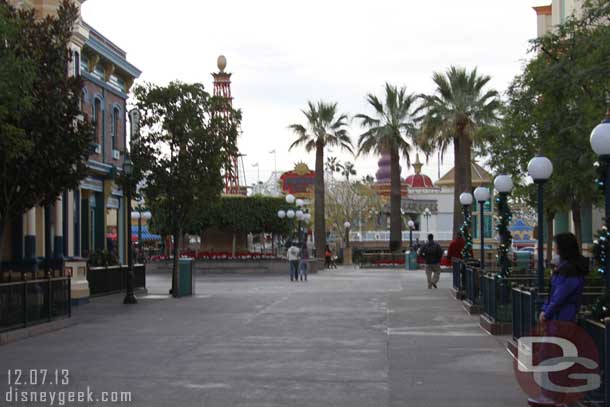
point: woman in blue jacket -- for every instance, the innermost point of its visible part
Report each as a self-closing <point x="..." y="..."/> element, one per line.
<point x="567" y="281"/>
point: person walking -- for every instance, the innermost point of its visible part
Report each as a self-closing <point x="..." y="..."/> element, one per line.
<point x="455" y="248"/>
<point x="567" y="281"/>
<point x="327" y="257"/>
<point x="293" y="260"/>
<point x="432" y="253"/>
<point x="304" y="263"/>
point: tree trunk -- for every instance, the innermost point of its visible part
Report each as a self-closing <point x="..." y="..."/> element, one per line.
<point x="395" y="202"/>
<point x="550" y="218"/>
<point x="577" y="220"/>
<point x="175" y="267"/>
<point x="233" y="248"/>
<point x="462" y="177"/>
<point x="320" y="218"/>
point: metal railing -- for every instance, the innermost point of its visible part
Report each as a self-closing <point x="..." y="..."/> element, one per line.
<point x="600" y="333"/>
<point x="471" y="277"/>
<point x="384" y="236"/>
<point x="457" y="274"/>
<point x="524" y="311"/>
<point x="30" y="302"/>
<point x="496" y="298"/>
<point x="108" y="280"/>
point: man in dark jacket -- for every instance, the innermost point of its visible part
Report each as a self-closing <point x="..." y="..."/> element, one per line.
<point x="432" y="253"/>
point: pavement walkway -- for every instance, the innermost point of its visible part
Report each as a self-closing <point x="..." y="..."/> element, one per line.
<point x="348" y="337"/>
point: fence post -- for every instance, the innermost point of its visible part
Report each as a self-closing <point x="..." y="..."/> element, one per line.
<point x="25" y="302"/>
<point x="69" y="296"/>
<point x="50" y="299"/>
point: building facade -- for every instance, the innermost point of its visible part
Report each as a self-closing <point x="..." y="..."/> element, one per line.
<point x="82" y="220"/>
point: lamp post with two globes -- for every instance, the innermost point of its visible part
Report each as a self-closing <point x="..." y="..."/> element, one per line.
<point x="299" y="212"/>
<point x="411" y="226"/>
<point x="540" y="169"/>
<point x="482" y="195"/>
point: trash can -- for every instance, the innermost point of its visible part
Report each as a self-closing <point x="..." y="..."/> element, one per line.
<point x="411" y="260"/>
<point x="186" y="281"/>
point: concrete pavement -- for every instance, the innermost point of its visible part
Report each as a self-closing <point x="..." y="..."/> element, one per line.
<point x="345" y="338"/>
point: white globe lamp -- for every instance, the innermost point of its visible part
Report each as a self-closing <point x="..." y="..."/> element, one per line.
<point x="290" y="214"/>
<point x="466" y="198"/>
<point x="540" y="168"/>
<point x="504" y="184"/>
<point x="290" y="199"/>
<point x="281" y="214"/>
<point x="481" y="194"/>
<point x="600" y="138"/>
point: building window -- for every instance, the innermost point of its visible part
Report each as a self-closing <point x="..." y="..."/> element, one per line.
<point x="76" y="63"/>
<point x="97" y="120"/>
<point x="115" y="126"/>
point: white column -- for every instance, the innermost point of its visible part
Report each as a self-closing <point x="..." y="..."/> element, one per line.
<point x="31" y="221"/>
<point x="30" y="235"/>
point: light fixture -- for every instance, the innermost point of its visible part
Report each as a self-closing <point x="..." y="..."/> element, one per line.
<point x="290" y="214"/>
<point x="281" y="214"/>
<point x="481" y="194"/>
<point x="290" y="199"/>
<point x="540" y="168"/>
<point x="503" y="183"/>
<point x="600" y="138"/>
<point x="347" y="225"/>
<point x="466" y="198"/>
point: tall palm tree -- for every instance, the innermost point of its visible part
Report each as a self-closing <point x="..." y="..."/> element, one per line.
<point x="390" y="131"/>
<point x="458" y="113"/>
<point x="324" y="127"/>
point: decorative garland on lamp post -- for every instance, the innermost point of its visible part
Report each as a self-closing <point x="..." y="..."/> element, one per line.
<point x="467" y="252"/>
<point x="504" y="219"/>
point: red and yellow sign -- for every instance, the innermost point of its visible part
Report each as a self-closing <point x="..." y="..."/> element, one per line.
<point x="299" y="182"/>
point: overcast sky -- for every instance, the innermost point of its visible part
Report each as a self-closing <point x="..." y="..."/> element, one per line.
<point x="284" y="53"/>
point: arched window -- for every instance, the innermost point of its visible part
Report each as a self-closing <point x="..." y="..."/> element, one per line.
<point x="116" y="114"/>
<point x="97" y="120"/>
<point x="76" y="63"/>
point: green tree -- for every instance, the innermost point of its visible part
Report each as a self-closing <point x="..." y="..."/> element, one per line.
<point x="181" y="151"/>
<point x="325" y="127"/>
<point x="552" y="107"/>
<point x="460" y="111"/>
<point x="44" y="141"/>
<point x="390" y="131"/>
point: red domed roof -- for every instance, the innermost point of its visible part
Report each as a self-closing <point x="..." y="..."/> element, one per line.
<point x="419" y="181"/>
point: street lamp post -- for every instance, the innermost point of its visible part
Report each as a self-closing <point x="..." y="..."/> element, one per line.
<point x="130" y="297"/>
<point x="540" y="169"/>
<point x="600" y="143"/>
<point x="411" y="225"/>
<point x="427" y="214"/>
<point x="482" y="195"/>
<point x="347" y="226"/>
<point x="504" y="185"/>
<point x="466" y="200"/>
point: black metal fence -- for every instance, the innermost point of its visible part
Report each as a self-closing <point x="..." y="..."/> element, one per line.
<point x="30" y="302"/>
<point x="600" y="333"/>
<point x="496" y="298"/>
<point x="471" y="277"/>
<point x="109" y="280"/>
<point x="457" y="275"/>
<point x="524" y="311"/>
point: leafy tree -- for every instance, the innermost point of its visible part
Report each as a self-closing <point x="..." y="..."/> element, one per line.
<point x="460" y="112"/>
<point x="325" y="127"/>
<point x="181" y="152"/>
<point x="350" y="201"/>
<point x="553" y="106"/>
<point x="44" y="141"/>
<point x="389" y="132"/>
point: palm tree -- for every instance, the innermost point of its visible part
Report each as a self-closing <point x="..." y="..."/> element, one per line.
<point x="347" y="170"/>
<point x="333" y="166"/>
<point x="389" y="132"/>
<point x="324" y="127"/>
<point x="459" y="112"/>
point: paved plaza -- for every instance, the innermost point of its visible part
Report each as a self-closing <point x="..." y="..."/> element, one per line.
<point x="348" y="337"/>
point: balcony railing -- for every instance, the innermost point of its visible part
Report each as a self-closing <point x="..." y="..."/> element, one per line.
<point x="31" y="302"/>
<point x="524" y="311"/>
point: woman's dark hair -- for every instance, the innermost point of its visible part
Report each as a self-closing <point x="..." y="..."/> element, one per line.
<point x="567" y="247"/>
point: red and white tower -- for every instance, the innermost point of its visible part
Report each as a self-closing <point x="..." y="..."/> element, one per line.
<point x="222" y="88"/>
